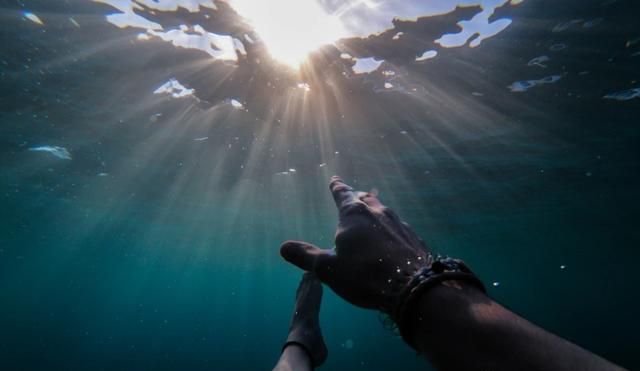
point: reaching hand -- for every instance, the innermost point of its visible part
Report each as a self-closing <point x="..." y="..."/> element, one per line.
<point x="375" y="253"/>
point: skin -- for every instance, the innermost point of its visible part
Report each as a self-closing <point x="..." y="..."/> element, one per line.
<point x="294" y="358"/>
<point x="455" y="325"/>
<point x="305" y="346"/>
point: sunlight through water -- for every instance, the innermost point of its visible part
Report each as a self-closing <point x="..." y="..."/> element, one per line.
<point x="157" y="153"/>
<point x="291" y="29"/>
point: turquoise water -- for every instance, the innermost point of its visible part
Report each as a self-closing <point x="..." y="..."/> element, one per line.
<point x="152" y="242"/>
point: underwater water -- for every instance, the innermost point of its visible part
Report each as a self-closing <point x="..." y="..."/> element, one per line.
<point x="150" y="170"/>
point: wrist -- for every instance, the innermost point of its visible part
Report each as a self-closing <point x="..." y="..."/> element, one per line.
<point x="445" y="272"/>
<point x="447" y="313"/>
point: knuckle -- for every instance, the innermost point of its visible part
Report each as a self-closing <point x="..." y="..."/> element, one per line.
<point x="340" y="187"/>
<point x="355" y="208"/>
<point x="388" y="212"/>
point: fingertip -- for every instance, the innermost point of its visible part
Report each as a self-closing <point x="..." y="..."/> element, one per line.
<point x="288" y="249"/>
<point x="299" y="253"/>
<point x="335" y="181"/>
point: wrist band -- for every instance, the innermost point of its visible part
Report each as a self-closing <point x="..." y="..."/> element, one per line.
<point x="442" y="269"/>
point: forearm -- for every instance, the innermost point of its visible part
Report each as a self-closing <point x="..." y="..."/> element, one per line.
<point x="460" y="328"/>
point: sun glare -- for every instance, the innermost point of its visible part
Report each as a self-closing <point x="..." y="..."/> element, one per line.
<point x="290" y="29"/>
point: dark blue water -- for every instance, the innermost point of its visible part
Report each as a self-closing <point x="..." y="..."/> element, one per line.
<point x="150" y="250"/>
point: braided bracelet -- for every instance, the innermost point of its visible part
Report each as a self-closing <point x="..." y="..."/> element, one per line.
<point x="442" y="269"/>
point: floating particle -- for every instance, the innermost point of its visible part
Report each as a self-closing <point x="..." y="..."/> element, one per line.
<point x="74" y="22"/>
<point x="397" y="36"/>
<point x="632" y="42"/>
<point x="429" y="54"/>
<point x="477" y="94"/>
<point x="102" y="175"/>
<point x="322" y="164"/>
<point x="33" y="18"/>
<point x="292" y="170"/>
<point x="566" y="25"/>
<point x="201" y="139"/>
<point x="348" y="344"/>
<point x="59" y="152"/>
<point x="624" y="95"/>
<point x="388" y="85"/>
<point x="592" y="23"/>
<point x="175" y="89"/>
<point x="539" y="61"/>
<point x="563" y="267"/>
<point x="550" y="79"/>
<point x="346" y="56"/>
<point x="155" y="117"/>
<point x="236" y="104"/>
<point x="558" y="47"/>
<point x="403" y="132"/>
<point x="522" y="86"/>
<point x="304" y="86"/>
<point x="496" y="284"/>
<point x="388" y="73"/>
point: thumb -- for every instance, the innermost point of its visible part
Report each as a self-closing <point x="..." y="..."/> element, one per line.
<point x="306" y="256"/>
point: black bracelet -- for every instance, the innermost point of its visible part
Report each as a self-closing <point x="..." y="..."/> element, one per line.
<point x="442" y="269"/>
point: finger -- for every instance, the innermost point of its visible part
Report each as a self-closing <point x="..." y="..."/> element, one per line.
<point x="309" y="279"/>
<point x="307" y="257"/>
<point x="342" y="193"/>
<point x="309" y="290"/>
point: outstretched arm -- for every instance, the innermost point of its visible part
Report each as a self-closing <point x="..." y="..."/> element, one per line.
<point x="380" y="263"/>
<point x="459" y="328"/>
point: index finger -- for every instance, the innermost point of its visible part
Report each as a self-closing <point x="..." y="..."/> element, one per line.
<point x="342" y="193"/>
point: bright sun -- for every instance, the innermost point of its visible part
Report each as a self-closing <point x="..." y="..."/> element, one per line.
<point x="290" y="29"/>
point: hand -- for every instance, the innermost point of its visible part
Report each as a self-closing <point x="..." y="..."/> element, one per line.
<point x="375" y="253"/>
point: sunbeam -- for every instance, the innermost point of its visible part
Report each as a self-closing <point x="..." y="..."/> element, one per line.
<point x="291" y="29"/>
